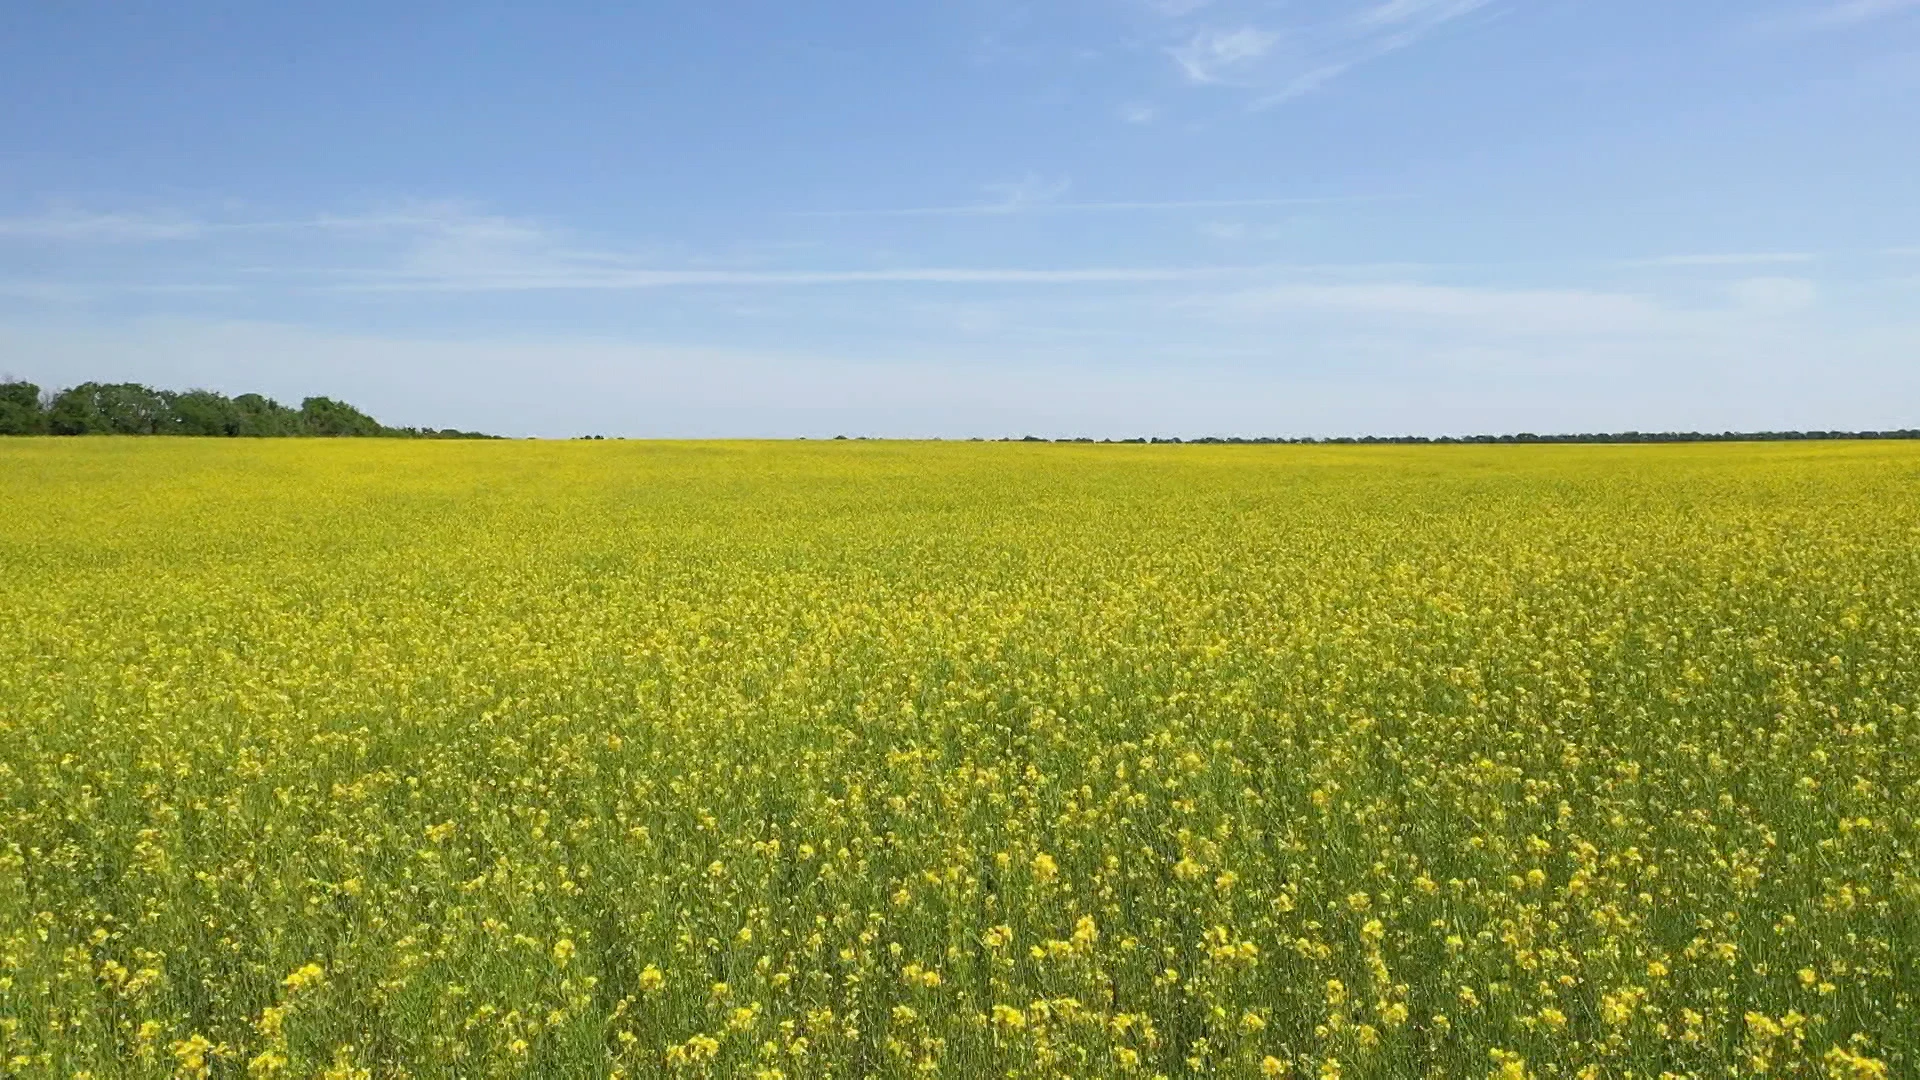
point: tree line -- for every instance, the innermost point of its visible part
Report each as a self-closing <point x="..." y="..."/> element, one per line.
<point x="1504" y="440"/>
<point x="132" y="409"/>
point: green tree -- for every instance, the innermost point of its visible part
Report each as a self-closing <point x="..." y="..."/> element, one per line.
<point x="20" y="410"/>
<point x="325" y="416"/>
<point x="108" y="409"/>
<point x="131" y="409"/>
<point x="261" y="417"/>
<point x="201" y="412"/>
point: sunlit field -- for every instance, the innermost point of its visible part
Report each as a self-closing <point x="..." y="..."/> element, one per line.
<point x="851" y="759"/>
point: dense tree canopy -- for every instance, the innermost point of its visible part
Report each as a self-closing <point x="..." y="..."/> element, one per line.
<point x="325" y="416"/>
<point x="20" y="411"/>
<point x="131" y="409"/>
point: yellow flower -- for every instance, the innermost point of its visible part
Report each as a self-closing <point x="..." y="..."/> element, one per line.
<point x="191" y="1055"/>
<point x="1085" y="933"/>
<point x="1508" y="1066"/>
<point x="1044" y="868"/>
<point x="1843" y="1064"/>
<point x="304" y="978"/>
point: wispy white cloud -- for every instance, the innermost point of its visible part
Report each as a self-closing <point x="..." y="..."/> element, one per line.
<point x="1746" y="258"/>
<point x="459" y="229"/>
<point x="45" y="292"/>
<point x="1855" y="12"/>
<point x="1301" y="85"/>
<point x="1491" y="309"/>
<point x="446" y="217"/>
<point x="1138" y="113"/>
<point x="1029" y="190"/>
<point x="451" y="247"/>
<point x="591" y="278"/>
<point x="1773" y="295"/>
<point x="1831" y="16"/>
<point x="1175" y="9"/>
<point x="1415" y="12"/>
<point x="81" y="226"/>
<point x="1284" y="61"/>
<point x="1113" y="206"/>
<point x="1222" y="56"/>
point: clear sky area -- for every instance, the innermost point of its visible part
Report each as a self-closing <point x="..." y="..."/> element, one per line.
<point x="978" y="217"/>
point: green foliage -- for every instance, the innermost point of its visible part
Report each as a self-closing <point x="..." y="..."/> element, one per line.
<point x="20" y="410"/>
<point x="327" y="417"/>
<point x="108" y="409"/>
<point x="201" y="412"/>
<point x="264" y="417"/>
<point x="131" y="409"/>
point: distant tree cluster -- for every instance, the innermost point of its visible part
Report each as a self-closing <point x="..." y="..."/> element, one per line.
<point x="131" y="409"/>
<point x="1524" y="437"/>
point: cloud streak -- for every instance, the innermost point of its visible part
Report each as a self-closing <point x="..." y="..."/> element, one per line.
<point x="1490" y="309"/>
<point x="1856" y="12"/>
<point x="1773" y="295"/>
<point x="455" y="221"/>
<point x="587" y="278"/>
<point x="1281" y="63"/>
<point x="1400" y="13"/>
<point x="1106" y="207"/>
<point x="76" y="226"/>
<point x="1833" y="16"/>
<point x="426" y="216"/>
<point x="1174" y="9"/>
<point x="1750" y="258"/>
<point x="447" y="247"/>
<point x="1222" y="56"/>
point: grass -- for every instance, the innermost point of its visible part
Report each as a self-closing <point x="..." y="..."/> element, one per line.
<point x="873" y="759"/>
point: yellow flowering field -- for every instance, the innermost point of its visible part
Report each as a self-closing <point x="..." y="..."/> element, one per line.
<point x="849" y="759"/>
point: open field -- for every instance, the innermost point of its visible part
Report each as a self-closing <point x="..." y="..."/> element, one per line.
<point x="858" y="759"/>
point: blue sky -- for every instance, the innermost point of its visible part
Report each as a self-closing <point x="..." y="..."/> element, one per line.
<point x="979" y="217"/>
